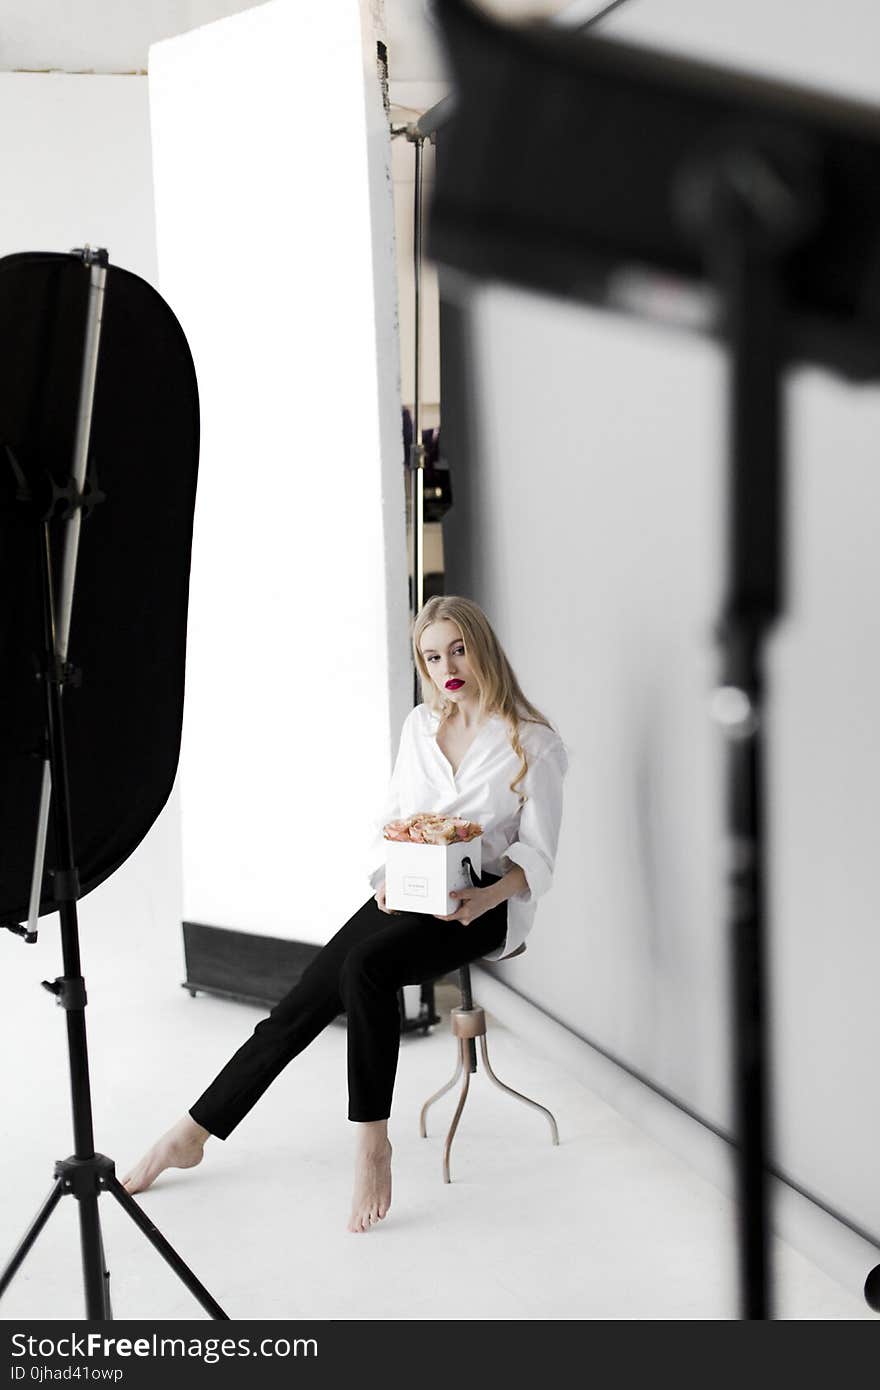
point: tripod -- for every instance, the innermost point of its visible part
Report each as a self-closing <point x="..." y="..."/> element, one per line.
<point x="85" y="1174"/>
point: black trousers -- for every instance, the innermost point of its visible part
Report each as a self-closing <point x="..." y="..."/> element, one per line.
<point x="358" y="972"/>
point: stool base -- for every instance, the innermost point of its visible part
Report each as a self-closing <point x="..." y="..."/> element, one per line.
<point x="468" y="1024"/>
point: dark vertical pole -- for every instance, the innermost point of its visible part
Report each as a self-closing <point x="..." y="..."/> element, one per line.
<point x="417" y="451"/>
<point x="418" y="447"/>
<point x="749" y="198"/>
<point x="94" y="1278"/>
<point x="755" y="546"/>
<point x="83" y="1134"/>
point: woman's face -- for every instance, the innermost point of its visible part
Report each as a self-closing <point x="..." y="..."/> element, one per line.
<point x="442" y="649"/>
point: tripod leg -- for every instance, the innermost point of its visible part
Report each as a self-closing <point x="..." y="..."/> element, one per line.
<point x="33" y="1231"/>
<point x="95" y="1275"/>
<point x="518" y="1094"/>
<point x="108" y="1306"/>
<point x="436" y="1096"/>
<point x="168" y="1253"/>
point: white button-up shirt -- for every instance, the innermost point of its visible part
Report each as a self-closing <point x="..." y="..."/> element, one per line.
<point x="423" y="780"/>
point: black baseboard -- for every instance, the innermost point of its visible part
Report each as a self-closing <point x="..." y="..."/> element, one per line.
<point x="254" y="969"/>
<point x="241" y="965"/>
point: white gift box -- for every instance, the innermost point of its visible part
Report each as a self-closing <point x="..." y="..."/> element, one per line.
<point x="419" y="878"/>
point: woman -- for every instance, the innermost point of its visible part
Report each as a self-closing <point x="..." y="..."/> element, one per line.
<point x="475" y="747"/>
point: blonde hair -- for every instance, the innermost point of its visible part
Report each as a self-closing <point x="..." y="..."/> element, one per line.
<point x="499" y="690"/>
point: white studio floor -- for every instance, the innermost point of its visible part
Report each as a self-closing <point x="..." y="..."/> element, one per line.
<point x="609" y="1225"/>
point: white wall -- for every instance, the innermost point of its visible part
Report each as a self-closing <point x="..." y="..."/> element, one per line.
<point x="599" y="571"/>
<point x="274" y="212"/>
<point x="75" y="156"/>
<point x="594" y="540"/>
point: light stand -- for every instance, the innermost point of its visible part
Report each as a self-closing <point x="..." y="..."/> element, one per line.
<point x="749" y="204"/>
<point x="417" y="449"/>
<point x="85" y="1174"/>
<point x="417" y="136"/>
<point x="416" y="461"/>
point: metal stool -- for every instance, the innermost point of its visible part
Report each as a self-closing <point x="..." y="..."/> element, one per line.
<point x="469" y="1023"/>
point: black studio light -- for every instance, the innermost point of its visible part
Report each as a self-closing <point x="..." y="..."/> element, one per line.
<point x="99" y="442"/>
<point x="744" y="209"/>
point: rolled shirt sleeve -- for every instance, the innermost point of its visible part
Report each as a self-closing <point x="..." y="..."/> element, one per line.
<point x="534" y="849"/>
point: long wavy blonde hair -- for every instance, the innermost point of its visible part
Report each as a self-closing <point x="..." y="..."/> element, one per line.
<point x="499" y="690"/>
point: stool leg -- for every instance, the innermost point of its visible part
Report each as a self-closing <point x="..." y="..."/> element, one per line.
<point x="466" y="1081"/>
<point x="436" y="1096"/>
<point x="518" y="1094"/>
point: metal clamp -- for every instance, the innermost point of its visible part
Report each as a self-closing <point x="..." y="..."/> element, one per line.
<point x="69" y="991"/>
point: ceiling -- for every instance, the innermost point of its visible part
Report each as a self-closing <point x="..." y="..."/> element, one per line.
<point x="113" y="36"/>
<point x="831" y="46"/>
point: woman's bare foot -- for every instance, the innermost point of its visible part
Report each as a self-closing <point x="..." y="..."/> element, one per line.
<point x="372" y="1177"/>
<point x="182" y="1147"/>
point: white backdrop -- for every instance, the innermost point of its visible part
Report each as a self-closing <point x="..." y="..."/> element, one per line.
<point x="274" y="215"/>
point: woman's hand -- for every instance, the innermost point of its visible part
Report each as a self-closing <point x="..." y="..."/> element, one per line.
<point x="472" y="903"/>
<point x="380" y="901"/>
